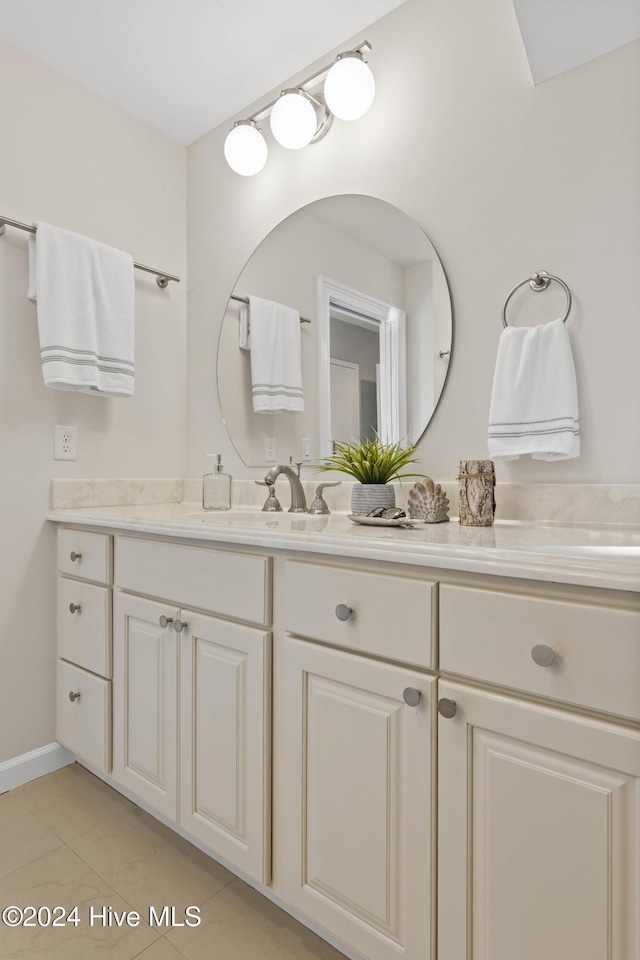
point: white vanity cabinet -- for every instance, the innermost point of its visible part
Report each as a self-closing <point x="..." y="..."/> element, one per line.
<point x="539" y="825"/>
<point x="192" y="704"/>
<point x="538" y="807"/>
<point x="145" y="701"/>
<point x="356" y="778"/>
<point x="83" y="684"/>
<point x="446" y="746"/>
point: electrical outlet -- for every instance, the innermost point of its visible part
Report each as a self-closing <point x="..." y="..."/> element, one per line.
<point x="65" y="443"/>
<point x="306" y="448"/>
<point x="270" y="449"/>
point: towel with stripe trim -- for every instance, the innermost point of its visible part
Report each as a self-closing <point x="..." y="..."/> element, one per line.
<point x="85" y="296"/>
<point x="534" y="404"/>
<point x="276" y="361"/>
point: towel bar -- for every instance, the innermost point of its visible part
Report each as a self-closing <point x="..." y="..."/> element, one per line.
<point x="162" y="278"/>
<point x="246" y="300"/>
<point x="538" y="281"/>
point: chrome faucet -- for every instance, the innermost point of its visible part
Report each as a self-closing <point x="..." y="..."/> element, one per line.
<point x="298" y="499"/>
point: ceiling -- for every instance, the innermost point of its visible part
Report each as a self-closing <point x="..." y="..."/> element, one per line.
<point x="185" y="66"/>
<point x="562" y="34"/>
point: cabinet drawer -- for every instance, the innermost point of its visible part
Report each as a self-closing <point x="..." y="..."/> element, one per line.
<point x="84" y="725"/>
<point x="92" y="552"/>
<point x="84" y="635"/>
<point x="232" y="584"/>
<point x="490" y="636"/>
<point x="391" y="615"/>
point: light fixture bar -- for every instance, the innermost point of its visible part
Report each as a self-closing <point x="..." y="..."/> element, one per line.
<point x="364" y="47"/>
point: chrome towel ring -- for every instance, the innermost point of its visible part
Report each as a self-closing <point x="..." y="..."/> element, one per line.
<point x="538" y="281"/>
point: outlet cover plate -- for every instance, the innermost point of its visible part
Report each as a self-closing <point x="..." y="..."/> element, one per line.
<point x="270" y="449"/>
<point x="65" y="443"/>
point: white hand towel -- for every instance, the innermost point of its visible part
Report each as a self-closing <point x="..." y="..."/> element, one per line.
<point x="534" y="406"/>
<point x="276" y="367"/>
<point x="85" y="295"/>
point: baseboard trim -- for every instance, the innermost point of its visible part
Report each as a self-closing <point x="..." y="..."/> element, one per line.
<point x="30" y="766"/>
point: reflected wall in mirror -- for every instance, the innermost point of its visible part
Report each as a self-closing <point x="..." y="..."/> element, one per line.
<point x="376" y="353"/>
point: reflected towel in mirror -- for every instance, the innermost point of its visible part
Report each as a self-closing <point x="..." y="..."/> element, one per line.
<point x="276" y="367"/>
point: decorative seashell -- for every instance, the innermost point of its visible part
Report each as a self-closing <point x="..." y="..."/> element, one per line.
<point x="428" y="502"/>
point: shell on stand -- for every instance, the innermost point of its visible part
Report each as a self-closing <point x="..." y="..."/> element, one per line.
<point x="428" y="502"/>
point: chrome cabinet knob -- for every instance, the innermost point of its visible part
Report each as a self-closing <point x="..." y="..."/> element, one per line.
<point x="179" y="625"/>
<point x="75" y="556"/>
<point x="165" y="621"/>
<point x="343" y="612"/>
<point x="74" y="696"/>
<point x="543" y="655"/>
<point x="447" y="708"/>
<point x="411" y="696"/>
<point x="75" y="608"/>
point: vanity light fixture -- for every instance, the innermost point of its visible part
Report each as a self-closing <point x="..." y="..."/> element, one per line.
<point x="245" y="149"/>
<point x="293" y="119"/>
<point x="350" y="86"/>
<point x="299" y="117"/>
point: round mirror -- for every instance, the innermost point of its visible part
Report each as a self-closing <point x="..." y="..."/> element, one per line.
<point x="372" y="345"/>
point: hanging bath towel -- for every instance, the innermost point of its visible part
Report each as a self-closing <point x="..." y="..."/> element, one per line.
<point x="85" y="296"/>
<point x="534" y="405"/>
<point x="276" y="367"/>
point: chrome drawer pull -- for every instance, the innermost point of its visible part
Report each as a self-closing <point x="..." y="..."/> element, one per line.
<point x="75" y="556"/>
<point x="74" y="696"/>
<point x="165" y="621"/>
<point x="543" y="655"/>
<point x="179" y="626"/>
<point x="343" y="612"/>
<point x="447" y="708"/>
<point x="75" y="608"/>
<point x="411" y="696"/>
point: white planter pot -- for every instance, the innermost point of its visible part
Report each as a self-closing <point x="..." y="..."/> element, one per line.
<point x="367" y="496"/>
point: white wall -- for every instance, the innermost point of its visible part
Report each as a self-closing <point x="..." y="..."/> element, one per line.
<point x="504" y="177"/>
<point x="74" y="160"/>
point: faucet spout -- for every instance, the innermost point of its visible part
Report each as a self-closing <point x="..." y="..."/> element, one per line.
<point x="298" y="499"/>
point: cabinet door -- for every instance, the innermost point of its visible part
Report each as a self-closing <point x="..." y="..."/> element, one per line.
<point x="357" y="796"/>
<point x="539" y="824"/>
<point x="225" y="730"/>
<point x="145" y="721"/>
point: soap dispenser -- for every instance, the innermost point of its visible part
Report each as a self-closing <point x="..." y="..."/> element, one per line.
<point x="216" y="487"/>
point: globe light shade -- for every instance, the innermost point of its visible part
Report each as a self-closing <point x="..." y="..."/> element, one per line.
<point x="245" y="149"/>
<point x="293" y="120"/>
<point x="349" y="88"/>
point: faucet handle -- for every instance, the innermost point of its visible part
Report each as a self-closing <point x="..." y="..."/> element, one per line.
<point x="295" y="463"/>
<point x="320" y="505"/>
<point x="271" y="504"/>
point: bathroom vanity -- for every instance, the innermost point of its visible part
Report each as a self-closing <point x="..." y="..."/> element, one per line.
<point x="423" y="742"/>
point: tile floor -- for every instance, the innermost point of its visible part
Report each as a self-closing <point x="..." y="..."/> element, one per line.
<point x="68" y="839"/>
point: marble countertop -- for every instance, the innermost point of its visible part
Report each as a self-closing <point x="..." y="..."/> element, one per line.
<point x="600" y="555"/>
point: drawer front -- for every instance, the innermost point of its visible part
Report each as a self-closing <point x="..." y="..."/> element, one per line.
<point x="84" y="632"/>
<point x="391" y="616"/>
<point x="91" y="553"/>
<point x="234" y="585"/>
<point x="84" y="724"/>
<point x="492" y="636"/>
